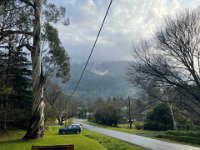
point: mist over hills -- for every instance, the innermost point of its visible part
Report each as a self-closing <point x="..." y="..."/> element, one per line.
<point x="100" y="80"/>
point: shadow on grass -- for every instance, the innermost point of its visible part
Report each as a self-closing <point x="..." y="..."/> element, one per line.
<point x="13" y="141"/>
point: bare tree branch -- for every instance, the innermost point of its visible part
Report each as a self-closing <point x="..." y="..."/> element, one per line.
<point x="171" y="59"/>
<point x="28" y="3"/>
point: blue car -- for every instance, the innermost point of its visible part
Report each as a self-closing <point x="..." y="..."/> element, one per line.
<point x="70" y="129"/>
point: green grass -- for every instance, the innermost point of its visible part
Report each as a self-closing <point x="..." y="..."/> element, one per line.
<point x="87" y="140"/>
<point x="12" y="140"/>
<point x="125" y="128"/>
<point x="185" y="137"/>
<point x="111" y="143"/>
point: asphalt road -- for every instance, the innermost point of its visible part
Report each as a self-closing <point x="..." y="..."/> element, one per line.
<point x="139" y="140"/>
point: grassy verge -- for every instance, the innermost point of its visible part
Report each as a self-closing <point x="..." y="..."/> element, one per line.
<point x="111" y="143"/>
<point x="188" y="137"/>
<point x="87" y="140"/>
<point x="124" y="128"/>
<point x="185" y="137"/>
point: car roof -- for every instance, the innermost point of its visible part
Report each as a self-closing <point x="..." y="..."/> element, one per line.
<point x="74" y="125"/>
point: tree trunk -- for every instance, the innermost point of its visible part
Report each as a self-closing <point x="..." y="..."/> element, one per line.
<point x="60" y="122"/>
<point x="5" y="113"/>
<point x="36" y="127"/>
<point x="173" y="118"/>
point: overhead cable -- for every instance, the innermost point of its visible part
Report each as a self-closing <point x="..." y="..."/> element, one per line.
<point x="82" y="73"/>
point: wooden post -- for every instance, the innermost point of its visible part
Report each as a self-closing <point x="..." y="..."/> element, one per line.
<point x="129" y="111"/>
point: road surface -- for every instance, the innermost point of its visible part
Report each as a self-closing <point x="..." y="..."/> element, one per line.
<point x="139" y="140"/>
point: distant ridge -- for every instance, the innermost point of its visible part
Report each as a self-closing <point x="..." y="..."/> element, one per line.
<point x="106" y="79"/>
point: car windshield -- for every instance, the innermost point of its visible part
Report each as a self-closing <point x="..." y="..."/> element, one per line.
<point x="72" y="127"/>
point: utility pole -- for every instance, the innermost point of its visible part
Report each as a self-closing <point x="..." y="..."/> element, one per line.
<point x="129" y="112"/>
<point x="66" y="114"/>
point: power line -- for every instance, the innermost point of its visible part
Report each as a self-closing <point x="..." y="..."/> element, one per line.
<point x="81" y="76"/>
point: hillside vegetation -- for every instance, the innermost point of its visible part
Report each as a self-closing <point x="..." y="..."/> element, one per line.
<point x="100" y="80"/>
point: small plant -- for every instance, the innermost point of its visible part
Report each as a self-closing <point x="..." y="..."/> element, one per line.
<point x="139" y="125"/>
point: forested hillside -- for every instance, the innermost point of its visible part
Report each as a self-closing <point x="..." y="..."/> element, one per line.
<point x="100" y="80"/>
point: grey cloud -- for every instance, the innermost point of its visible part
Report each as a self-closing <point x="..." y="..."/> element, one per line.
<point x="128" y="21"/>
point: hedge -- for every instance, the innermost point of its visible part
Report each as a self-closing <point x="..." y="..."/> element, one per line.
<point x="183" y="133"/>
<point x="186" y="139"/>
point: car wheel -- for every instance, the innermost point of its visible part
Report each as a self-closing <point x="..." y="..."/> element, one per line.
<point x="63" y="132"/>
<point x="77" y="132"/>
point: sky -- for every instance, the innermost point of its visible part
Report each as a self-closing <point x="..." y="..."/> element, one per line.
<point x="128" y="21"/>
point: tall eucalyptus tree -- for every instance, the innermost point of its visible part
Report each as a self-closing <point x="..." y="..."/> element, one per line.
<point x="31" y="22"/>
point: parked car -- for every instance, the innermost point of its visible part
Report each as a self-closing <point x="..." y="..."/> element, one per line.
<point x="79" y="125"/>
<point x="73" y="128"/>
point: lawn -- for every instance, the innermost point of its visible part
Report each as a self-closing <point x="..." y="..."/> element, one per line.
<point x="8" y="142"/>
<point x="87" y="140"/>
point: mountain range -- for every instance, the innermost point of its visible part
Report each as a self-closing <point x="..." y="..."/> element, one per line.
<point x="103" y="79"/>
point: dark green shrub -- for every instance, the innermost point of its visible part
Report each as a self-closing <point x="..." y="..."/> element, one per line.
<point x="91" y="118"/>
<point x="188" y="127"/>
<point x="183" y="133"/>
<point x="159" y="119"/>
<point x="108" y="115"/>
<point x="194" y="128"/>
<point x="183" y="127"/>
<point x="186" y="139"/>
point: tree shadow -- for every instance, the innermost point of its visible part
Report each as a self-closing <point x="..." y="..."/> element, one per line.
<point x="13" y="141"/>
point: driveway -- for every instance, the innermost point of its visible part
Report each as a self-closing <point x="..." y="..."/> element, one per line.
<point x="139" y="140"/>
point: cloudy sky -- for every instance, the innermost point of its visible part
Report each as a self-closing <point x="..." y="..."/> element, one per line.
<point x="128" y="21"/>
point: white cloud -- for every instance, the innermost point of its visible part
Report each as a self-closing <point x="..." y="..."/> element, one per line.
<point x="128" y="21"/>
<point x="100" y="72"/>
